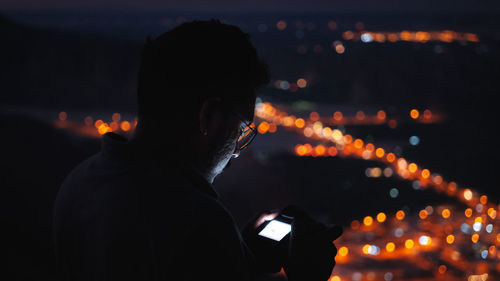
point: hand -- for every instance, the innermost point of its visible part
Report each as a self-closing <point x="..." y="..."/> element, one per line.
<point x="268" y="258"/>
<point x="312" y="252"/>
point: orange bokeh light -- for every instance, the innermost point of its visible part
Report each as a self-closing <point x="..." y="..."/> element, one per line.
<point x="358" y="143"/>
<point x="400" y="215"/>
<point x="475" y="238"/>
<point x="125" y="126"/>
<point x="302" y="83"/>
<point x="381" y="115"/>
<point x="300" y="123"/>
<point x="423" y="214"/>
<point x="391" y="157"/>
<point x="337" y="116"/>
<point x="414" y="113"/>
<point x="314" y="116"/>
<point x="468" y="212"/>
<point x="281" y="25"/>
<point x="332" y="151"/>
<point x="63" y="116"/>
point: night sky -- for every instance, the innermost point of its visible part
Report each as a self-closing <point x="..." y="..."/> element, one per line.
<point x="295" y="6"/>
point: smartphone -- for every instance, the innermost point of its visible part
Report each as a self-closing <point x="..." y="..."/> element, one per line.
<point x="276" y="229"/>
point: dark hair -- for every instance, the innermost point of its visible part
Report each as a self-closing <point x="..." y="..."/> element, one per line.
<point x="196" y="60"/>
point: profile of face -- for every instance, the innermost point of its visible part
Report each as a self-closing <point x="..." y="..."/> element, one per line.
<point x="226" y="126"/>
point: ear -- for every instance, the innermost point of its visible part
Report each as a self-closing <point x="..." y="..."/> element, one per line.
<point x="209" y="111"/>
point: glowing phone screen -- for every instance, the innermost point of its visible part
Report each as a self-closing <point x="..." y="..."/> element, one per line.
<point x="276" y="230"/>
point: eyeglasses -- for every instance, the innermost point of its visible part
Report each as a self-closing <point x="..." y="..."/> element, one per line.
<point x="248" y="133"/>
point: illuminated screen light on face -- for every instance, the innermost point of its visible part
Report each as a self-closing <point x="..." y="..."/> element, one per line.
<point x="276" y="230"/>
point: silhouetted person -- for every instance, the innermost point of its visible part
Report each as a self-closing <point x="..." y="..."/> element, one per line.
<point x="145" y="208"/>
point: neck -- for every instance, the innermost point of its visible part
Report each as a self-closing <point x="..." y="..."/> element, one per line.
<point x="155" y="147"/>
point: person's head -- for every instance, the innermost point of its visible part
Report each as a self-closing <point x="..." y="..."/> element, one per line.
<point x="196" y="90"/>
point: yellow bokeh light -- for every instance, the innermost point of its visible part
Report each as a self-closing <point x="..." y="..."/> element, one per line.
<point x="412" y="167"/>
<point x="381" y="217"/>
<point x="368" y="220"/>
<point x="446" y="213"/>
<point x="379" y="152"/>
<point x="103" y="129"/>
<point x="334" y="278"/>
<point x="450" y="239"/>
<point x="336" y="135"/>
<point x="409" y="244"/>
<point x="467" y="194"/>
<point x="343" y="251"/>
<point x="366" y="249"/>
<point x="426" y="173"/>
<point x="327" y="132"/>
<point x="478" y="219"/>
<point x="390" y="247"/>
<point x="492" y="213"/>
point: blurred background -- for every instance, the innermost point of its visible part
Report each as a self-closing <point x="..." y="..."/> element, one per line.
<point x="379" y="117"/>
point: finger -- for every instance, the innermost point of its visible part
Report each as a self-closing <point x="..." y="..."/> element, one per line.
<point x="265" y="217"/>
